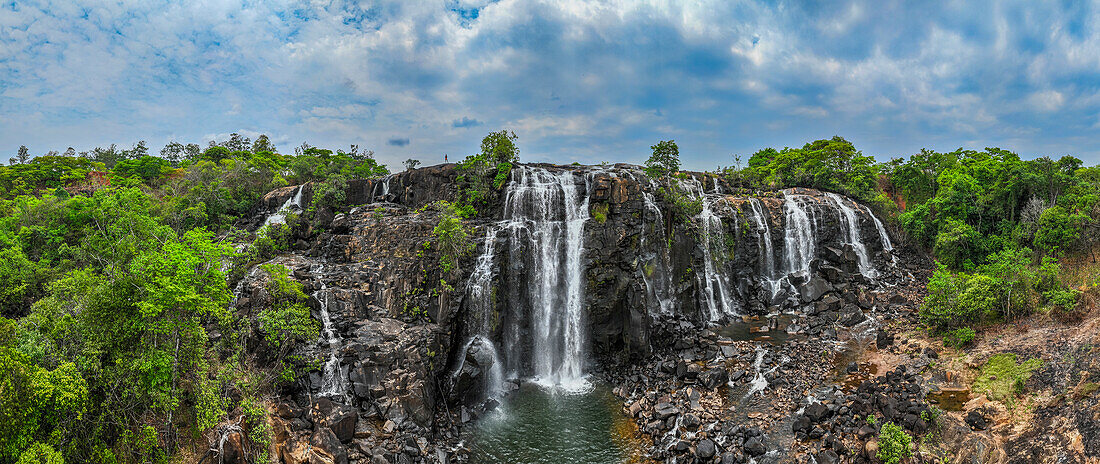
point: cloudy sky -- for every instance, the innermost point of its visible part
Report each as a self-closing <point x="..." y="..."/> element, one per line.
<point x="577" y="81"/>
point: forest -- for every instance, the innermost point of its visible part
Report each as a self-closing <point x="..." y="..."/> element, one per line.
<point x="118" y="342"/>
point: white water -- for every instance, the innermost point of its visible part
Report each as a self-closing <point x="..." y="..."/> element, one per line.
<point x="553" y="213"/>
<point x="332" y="380"/>
<point x="383" y="185"/>
<point x="479" y="291"/>
<point x="715" y="287"/>
<point x="851" y="228"/>
<point x="759" y="381"/>
<point x="292" y="203"/>
<point x="799" y="246"/>
<point x="767" y="253"/>
<point x="655" y="265"/>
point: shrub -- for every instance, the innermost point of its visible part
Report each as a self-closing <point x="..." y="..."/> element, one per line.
<point x="451" y="237"/>
<point x="893" y="444"/>
<point x="959" y="338"/>
<point x="599" y="212"/>
<point x="287" y="321"/>
<point x="40" y="453"/>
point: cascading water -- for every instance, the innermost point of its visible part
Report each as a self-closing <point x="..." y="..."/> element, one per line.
<point x="383" y="186"/>
<point x="479" y="294"/>
<point x="715" y="287"/>
<point x="655" y="263"/>
<point x="547" y="214"/>
<point x="851" y="228"/>
<point x="292" y="203"/>
<point x="799" y="246"/>
<point x="767" y="255"/>
<point x="332" y="380"/>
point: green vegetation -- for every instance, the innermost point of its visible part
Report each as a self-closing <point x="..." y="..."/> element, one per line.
<point x="1002" y="379"/>
<point x="959" y="337"/>
<point x="115" y="268"/>
<point x="451" y="237"/>
<point x="893" y="444"/>
<point x="998" y="225"/>
<point x="483" y="174"/>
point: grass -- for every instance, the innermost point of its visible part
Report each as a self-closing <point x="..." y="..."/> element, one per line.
<point x="1002" y="378"/>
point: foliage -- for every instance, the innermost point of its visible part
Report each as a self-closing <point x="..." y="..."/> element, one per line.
<point x="893" y="444"/>
<point x="481" y="175"/>
<point x="1002" y="378"/>
<point x="286" y="322"/>
<point x="40" y="453"/>
<point x="411" y="164"/>
<point x="833" y="164"/>
<point x="664" y="161"/>
<point x="959" y="337"/>
<point x="451" y="237"/>
<point x="500" y="147"/>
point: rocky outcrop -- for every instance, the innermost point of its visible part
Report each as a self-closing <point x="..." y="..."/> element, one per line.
<point x="659" y="267"/>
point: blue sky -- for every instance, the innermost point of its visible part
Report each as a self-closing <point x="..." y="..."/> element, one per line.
<point x="577" y="81"/>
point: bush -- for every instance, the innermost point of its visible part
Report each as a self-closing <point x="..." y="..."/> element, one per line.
<point x="40" y="453"/>
<point x="893" y="444"/>
<point x="451" y="237"/>
<point x="960" y="337"/>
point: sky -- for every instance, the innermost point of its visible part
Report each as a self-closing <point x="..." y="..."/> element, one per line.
<point x="576" y="80"/>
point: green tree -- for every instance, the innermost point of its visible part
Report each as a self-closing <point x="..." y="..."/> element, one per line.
<point x="500" y="147"/>
<point x="664" y="161"/>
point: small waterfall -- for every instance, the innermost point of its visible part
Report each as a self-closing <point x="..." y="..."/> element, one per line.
<point x="384" y="186"/>
<point x="798" y="237"/>
<point x="759" y="381"/>
<point x="884" y="237"/>
<point x="655" y="265"/>
<point x="332" y="380"/>
<point x="767" y="253"/>
<point x="292" y="203"/>
<point x="850" y="223"/>
<point x="547" y="214"/>
<point x="479" y="294"/>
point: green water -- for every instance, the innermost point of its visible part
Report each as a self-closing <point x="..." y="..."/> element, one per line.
<point x="534" y="425"/>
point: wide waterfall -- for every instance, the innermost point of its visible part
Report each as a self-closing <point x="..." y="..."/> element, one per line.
<point x="850" y="224"/>
<point x="546" y="214"/>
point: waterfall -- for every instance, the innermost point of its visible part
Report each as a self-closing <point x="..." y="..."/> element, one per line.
<point x="767" y="254"/>
<point x="850" y="223"/>
<point x="383" y="185"/>
<point x="654" y="266"/>
<point x="547" y="214"/>
<point x="798" y="247"/>
<point x="883" y="237"/>
<point x="294" y="202"/>
<point x="714" y="281"/>
<point x="479" y="294"/>
<point x="332" y="380"/>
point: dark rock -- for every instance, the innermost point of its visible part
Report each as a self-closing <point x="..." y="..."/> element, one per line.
<point x="976" y="420"/>
<point x="705" y="449"/>
<point x="755" y="447"/>
<point x="817" y="412"/>
<point x="827" y="457"/>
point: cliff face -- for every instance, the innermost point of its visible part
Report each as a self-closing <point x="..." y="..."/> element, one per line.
<point x="575" y="268"/>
